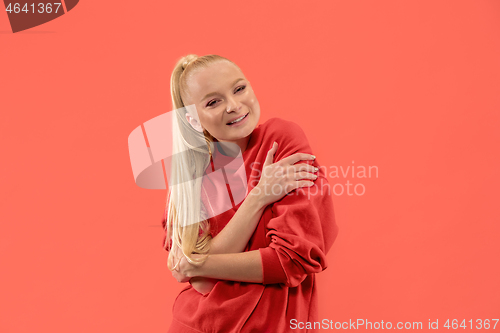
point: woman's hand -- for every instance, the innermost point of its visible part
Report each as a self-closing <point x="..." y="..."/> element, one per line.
<point x="183" y="269"/>
<point x="184" y="272"/>
<point x="179" y="273"/>
<point x="282" y="177"/>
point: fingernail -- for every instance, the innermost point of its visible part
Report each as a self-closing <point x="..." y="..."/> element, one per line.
<point x="313" y="157"/>
<point x="316" y="169"/>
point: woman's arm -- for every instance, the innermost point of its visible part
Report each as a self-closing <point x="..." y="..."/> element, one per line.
<point x="300" y="233"/>
<point x="244" y="267"/>
<point x="284" y="176"/>
<point x="234" y="237"/>
<point x="302" y="230"/>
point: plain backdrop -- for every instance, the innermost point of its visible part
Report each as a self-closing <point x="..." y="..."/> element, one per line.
<point x="411" y="87"/>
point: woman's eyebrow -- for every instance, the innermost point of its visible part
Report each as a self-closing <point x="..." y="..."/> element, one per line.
<point x="214" y="93"/>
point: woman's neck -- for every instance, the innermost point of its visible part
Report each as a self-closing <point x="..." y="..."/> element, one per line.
<point x="233" y="148"/>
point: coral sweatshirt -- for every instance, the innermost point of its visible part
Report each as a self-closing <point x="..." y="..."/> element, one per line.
<point x="293" y="236"/>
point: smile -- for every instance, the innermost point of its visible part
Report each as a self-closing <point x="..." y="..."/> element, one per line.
<point x="237" y="120"/>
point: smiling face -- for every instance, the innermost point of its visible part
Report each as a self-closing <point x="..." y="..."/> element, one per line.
<point x="222" y="94"/>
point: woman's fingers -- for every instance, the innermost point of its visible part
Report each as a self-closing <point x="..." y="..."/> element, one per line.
<point x="289" y="160"/>
<point x="304" y="183"/>
<point x="298" y="183"/>
<point x="292" y="159"/>
<point x="304" y="167"/>
<point x="278" y="179"/>
<point x="179" y="271"/>
<point x="270" y="154"/>
<point x="305" y="175"/>
<point x="303" y="178"/>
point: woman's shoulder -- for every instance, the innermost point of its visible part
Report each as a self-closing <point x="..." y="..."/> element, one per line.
<point x="276" y="121"/>
<point x="282" y="130"/>
<point x="276" y="128"/>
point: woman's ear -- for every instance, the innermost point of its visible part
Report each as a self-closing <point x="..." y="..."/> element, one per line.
<point x="194" y="123"/>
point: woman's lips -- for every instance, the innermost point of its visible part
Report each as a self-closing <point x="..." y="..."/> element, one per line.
<point x="244" y="118"/>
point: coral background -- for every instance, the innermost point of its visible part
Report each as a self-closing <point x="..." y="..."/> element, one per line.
<point x="410" y="87"/>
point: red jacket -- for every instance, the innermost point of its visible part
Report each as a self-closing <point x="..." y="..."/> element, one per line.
<point x="293" y="236"/>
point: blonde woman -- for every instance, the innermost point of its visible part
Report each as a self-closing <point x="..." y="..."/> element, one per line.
<point x="250" y="268"/>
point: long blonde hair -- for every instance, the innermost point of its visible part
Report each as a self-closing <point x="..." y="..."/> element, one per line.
<point x="186" y="224"/>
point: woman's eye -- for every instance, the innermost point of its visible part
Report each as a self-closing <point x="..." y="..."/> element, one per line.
<point x="240" y="88"/>
<point x="214" y="101"/>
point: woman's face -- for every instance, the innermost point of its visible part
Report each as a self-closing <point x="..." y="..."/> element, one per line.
<point x="222" y="94"/>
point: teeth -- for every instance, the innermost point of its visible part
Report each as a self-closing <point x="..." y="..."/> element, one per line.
<point x="235" y="121"/>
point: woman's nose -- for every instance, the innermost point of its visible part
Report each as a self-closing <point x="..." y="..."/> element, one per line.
<point x="232" y="105"/>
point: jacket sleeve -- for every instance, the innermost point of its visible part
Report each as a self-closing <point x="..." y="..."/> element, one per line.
<point x="302" y="228"/>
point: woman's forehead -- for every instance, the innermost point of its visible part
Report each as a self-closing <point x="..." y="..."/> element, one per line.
<point x="213" y="78"/>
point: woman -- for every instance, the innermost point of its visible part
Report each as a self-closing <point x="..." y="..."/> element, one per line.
<point x="250" y="267"/>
